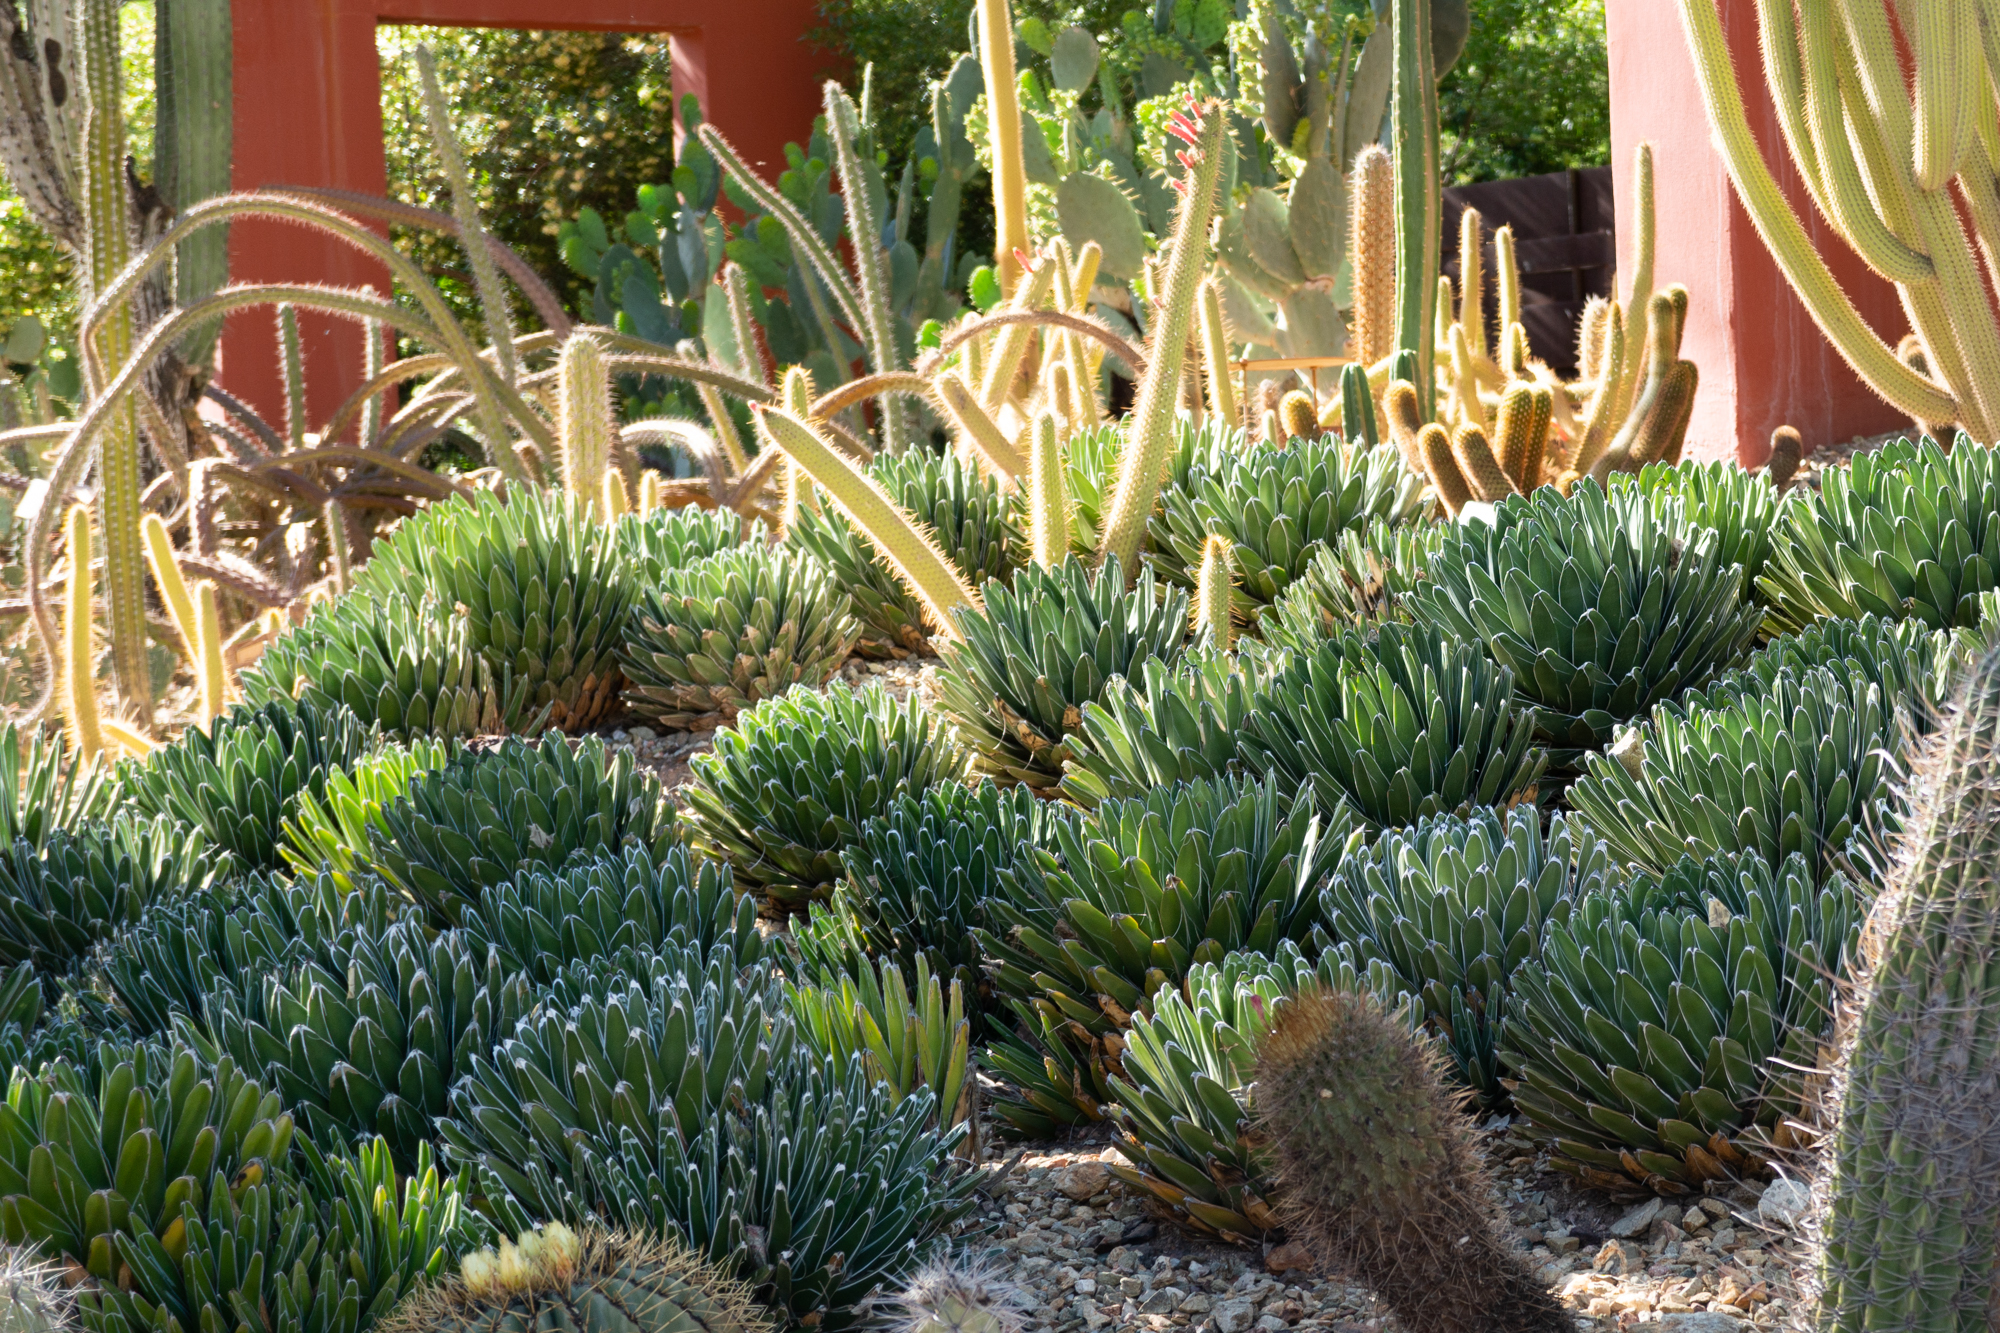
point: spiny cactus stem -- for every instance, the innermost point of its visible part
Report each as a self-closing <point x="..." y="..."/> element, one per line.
<point x="1222" y="398"/>
<point x="1414" y="128"/>
<point x="1434" y="447"/>
<point x="1641" y="295"/>
<point x="1373" y="244"/>
<point x="725" y="428"/>
<point x="1048" y="497"/>
<point x="1003" y="128"/>
<point x="1472" y="280"/>
<point x="650" y="496"/>
<point x="79" y="657"/>
<point x="1214" y="585"/>
<point x="208" y="649"/>
<point x="1012" y="344"/>
<point x="978" y="428"/>
<point x="907" y="548"/>
<point x="584" y="425"/>
<point x="486" y="281"/>
<point x="1600" y="419"/>
<point x="371" y="366"/>
<point x="870" y="260"/>
<point x="1149" y="438"/>
<point x="1506" y="277"/>
<point x="293" y="360"/>
<point x="167" y="576"/>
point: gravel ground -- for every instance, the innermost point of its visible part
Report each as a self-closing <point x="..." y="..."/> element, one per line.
<point x="1092" y="1256"/>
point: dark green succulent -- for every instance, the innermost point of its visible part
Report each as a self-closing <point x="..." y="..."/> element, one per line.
<point x="1600" y="607"/>
<point x="333" y="1245"/>
<point x="1914" y="666"/>
<point x="1038" y="652"/>
<point x="907" y="1037"/>
<point x="95" y="1174"/>
<point x="184" y="949"/>
<point x="486" y="816"/>
<point x="1176" y="723"/>
<point x="787" y="789"/>
<point x="330" y="832"/>
<point x="684" y="1105"/>
<point x="1278" y="505"/>
<point x="1906" y="532"/>
<point x="918" y="879"/>
<point x="1143" y="889"/>
<point x="40" y="790"/>
<point x="1090" y="466"/>
<point x="1645" y="1033"/>
<point x="1185" y="1102"/>
<point x="1741" y="507"/>
<point x="1395" y="726"/>
<point x="1452" y="907"/>
<point x="1356" y="581"/>
<point x="710" y="639"/>
<point x="975" y="523"/>
<point x="541" y="920"/>
<point x="474" y="615"/>
<point x="371" y="1050"/>
<point x="59" y="900"/>
<point x="1798" y="763"/>
<point x="649" y="545"/>
<point x="243" y="775"/>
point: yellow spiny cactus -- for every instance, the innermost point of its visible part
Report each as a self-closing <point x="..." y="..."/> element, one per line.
<point x="79" y="662"/>
<point x="1601" y="417"/>
<point x="1048" y="497"/>
<point x="1298" y="416"/>
<point x="167" y="577"/>
<point x="1521" y="424"/>
<point x="1476" y="464"/>
<point x="1373" y="247"/>
<point x="213" y="672"/>
<point x="650" y="496"/>
<point x="1214" y="592"/>
<point x="1506" y="277"/>
<point x="1434" y="447"/>
<point x="1215" y="357"/>
<point x="1405" y="418"/>
<point x="1472" y="280"/>
<point x="584" y="423"/>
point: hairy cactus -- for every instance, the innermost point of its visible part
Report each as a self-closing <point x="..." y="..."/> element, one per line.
<point x="584" y="422"/>
<point x="33" y="1298"/>
<point x="1331" y="1072"/>
<point x="1909" y="1212"/>
<point x="600" y="1282"/>
<point x="961" y="1295"/>
<point x="1413" y="128"/>
<point x="1373" y="250"/>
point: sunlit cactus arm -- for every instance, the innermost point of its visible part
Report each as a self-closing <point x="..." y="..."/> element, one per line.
<point x="1048" y="497"/>
<point x="486" y="283"/>
<point x="1011" y="346"/>
<point x="584" y="423"/>
<point x="871" y="261"/>
<point x="79" y="656"/>
<point x="1414" y="127"/>
<point x="978" y="425"/>
<point x="1003" y="128"/>
<point x="1372" y="217"/>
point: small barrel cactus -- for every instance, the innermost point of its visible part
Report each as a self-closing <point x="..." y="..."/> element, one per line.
<point x="960" y="1295"/>
<point x="32" y="1296"/>
<point x="555" y="1281"/>
<point x="1380" y="1174"/>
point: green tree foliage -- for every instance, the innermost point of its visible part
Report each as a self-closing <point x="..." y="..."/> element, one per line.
<point x="1531" y="94"/>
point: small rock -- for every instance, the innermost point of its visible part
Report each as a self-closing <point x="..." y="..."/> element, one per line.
<point x="1564" y="1244"/>
<point x="1715" y="1208"/>
<point x="1636" y="1219"/>
<point x="1234" y="1316"/>
<point x="1722" y="1238"/>
<point x="1084" y="1180"/>
<point x="1031" y="1242"/>
<point x="1288" y="1256"/>
<point x="1131" y="1286"/>
<point x="1270" y="1323"/>
<point x="1618" y="1257"/>
<point x="1198" y="1303"/>
<point x="1784" y="1203"/>
<point x="1163" y="1300"/>
<point x="1086" y="1286"/>
<point x="1700" y="1321"/>
<point x="1694" y="1220"/>
<point x="643" y="734"/>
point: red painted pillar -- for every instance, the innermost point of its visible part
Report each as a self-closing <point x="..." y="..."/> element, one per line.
<point x="1764" y="363"/>
<point x="308" y="112"/>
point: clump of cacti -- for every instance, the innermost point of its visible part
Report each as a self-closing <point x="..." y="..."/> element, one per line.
<point x="1381" y="1175"/>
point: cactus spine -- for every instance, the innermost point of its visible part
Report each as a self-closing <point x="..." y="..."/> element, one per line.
<point x="33" y="1298"/>
<point x="1406" y="419"/>
<point x="79" y="655"/>
<point x="1215" y="354"/>
<point x="1374" y="250"/>
<point x="107" y="225"/>
<point x="1003" y="126"/>
<point x="1048" y="497"/>
<point x="1414" y="128"/>
<point x="1212" y="592"/>
<point x="958" y="1296"/>
<point x="1434" y="448"/>
<point x="1909" y="1202"/>
<point x="584" y="427"/>
<point x="1150" y="433"/>
<point x="650" y="497"/>
<point x="1410" y="1212"/>
<point x="910" y="550"/>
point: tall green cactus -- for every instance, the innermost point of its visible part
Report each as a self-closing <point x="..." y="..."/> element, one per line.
<point x="1882" y="173"/>
<point x="1911" y="1200"/>
<point x="108" y="237"/>
<point x="193" y="123"/>
<point x="861" y="186"/>
<point x="1414" y="130"/>
<point x="1150" y="434"/>
<point x="1003" y="121"/>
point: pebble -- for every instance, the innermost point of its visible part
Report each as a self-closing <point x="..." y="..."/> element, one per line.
<point x="1637" y="1219"/>
<point x="1784" y="1203"/>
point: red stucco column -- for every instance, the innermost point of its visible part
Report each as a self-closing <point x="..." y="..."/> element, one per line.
<point x="308" y="112"/>
<point x="1763" y="361"/>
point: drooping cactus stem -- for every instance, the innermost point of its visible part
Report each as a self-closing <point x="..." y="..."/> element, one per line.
<point x="584" y="425"/>
<point x="1003" y="128"/>
<point x="1012" y="345"/>
<point x="909" y="550"/>
<point x="1214" y="592"/>
<point x="1150" y="434"/>
<point x="1048" y="497"/>
<point x="1216" y="362"/>
<point x="79" y="658"/>
<point x="977" y="427"/>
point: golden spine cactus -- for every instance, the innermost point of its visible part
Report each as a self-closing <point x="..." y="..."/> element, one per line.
<point x="86" y="733"/>
<point x="1600" y="418"/>
<point x="1514" y="352"/>
<point x="1003" y="129"/>
<point x="1444" y="314"/>
<point x="1434" y="447"/>
<point x="213" y="672"/>
<point x="1483" y="474"/>
<point x="976" y="427"/>
<point x="1788" y="450"/>
<point x="167" y="577"/>
<point x="900" y="539"/>
<point x="1658" y="423"/>
<point x="651" y="500"/>
<point x="1215" y="355"/>
<point x="616" y="503"/>
<point x="1410" y="1210"/>
<point x="1506" y="277"/>
<point x="1056" y="392"/>
<point x="1466" y="406"/>
<point x="1521" y="423"/>
<point x="1150" y="433"/>
<point x="1213" y="592"/>
<point x="1641" y="294"/>
<point x="1010" y="346"/>
<point x="1298" y="415"/>
<point x="584" y="424"/>
<point x="1373" y="245"/>
<point x="1472" y="280"/>
<point x="960" y="1296"/>
<point x="1405" y="418"/>
<point x="1590" y="333"/>
<point x="1048" y="497"/>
